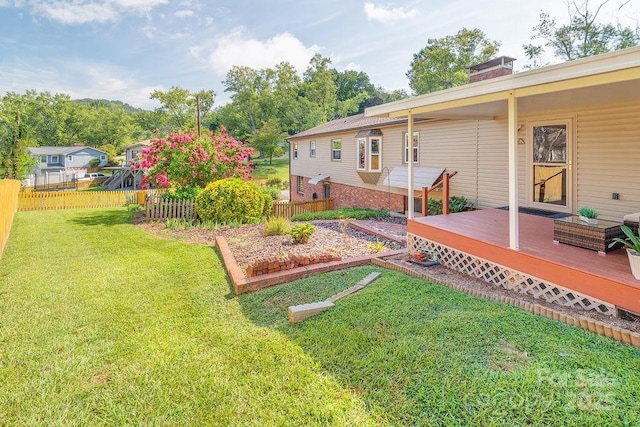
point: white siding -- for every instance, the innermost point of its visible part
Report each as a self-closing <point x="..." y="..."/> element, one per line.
<point x="493" y="164"/>
<point x="608" y="160"/>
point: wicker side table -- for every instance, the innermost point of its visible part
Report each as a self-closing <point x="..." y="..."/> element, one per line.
<point x="597" y="237"/>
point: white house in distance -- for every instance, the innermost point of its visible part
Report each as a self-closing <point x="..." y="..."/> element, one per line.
<point x="550" y="139"/>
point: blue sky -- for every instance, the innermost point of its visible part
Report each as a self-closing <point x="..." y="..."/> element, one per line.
<point x="125" y="49"/>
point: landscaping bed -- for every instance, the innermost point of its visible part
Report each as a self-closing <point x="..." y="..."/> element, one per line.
<point x="250" y="245"/>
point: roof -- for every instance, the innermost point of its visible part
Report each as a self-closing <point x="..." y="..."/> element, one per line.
<point x="145" y="143"/>
<point x="59" y="151"/>
<point x="501" y="60"/>
<point x="359" y="121"/>
<point x="607" y="78"/>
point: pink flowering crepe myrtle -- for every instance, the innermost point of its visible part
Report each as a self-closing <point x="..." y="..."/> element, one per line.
<point x="182" y="160"/>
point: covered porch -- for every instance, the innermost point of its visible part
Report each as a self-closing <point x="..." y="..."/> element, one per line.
<point x="477" y="243"/>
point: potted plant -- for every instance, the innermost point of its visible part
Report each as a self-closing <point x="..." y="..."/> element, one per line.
<point x="632" y="243"/>
<point x="588" y="215"/>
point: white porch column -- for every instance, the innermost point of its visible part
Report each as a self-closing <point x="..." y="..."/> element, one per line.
<point x="514" y="239"/>
<point x="410" y="197"/>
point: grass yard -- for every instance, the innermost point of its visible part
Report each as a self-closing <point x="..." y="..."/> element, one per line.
<point x="279" y="168"/>
<point x="101" y="323"/>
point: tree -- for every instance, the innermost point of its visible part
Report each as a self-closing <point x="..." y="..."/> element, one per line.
<point x="445" y="62"/>
<point x="583" y="36"/>
<point x="183" y="110"/>
<point x="183" y="160"/>
<point x="320" y="89"/>
<point x="15" y="160"/>
<point x="269" y="139"/>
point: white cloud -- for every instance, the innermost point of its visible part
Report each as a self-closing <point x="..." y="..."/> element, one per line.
<point x="185" y="13"/>
<point x="386" y="13"/>
<point x="74" y="12"/>
<point x="238" y="49"/>
<point x="352" y="66"/>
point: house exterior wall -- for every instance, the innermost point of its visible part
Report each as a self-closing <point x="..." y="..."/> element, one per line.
<point x="82" y="158"/>
<point x="349" y="196"/>
<point x="606" y="159"/>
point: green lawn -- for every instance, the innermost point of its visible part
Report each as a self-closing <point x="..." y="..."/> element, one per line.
<point x="279" y="168"/>
<point x="101" y="323"/>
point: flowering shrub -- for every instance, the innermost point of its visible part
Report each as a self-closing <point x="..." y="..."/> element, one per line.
<point x="231" y="200"/>
<point x="184" y="160"/>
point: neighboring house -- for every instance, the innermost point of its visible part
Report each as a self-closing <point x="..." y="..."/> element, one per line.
<point x="133" y="151"/>
<point x="67" y="159"/>
<point x="553" y="138"/>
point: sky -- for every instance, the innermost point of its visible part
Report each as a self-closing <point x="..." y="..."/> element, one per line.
<point x="125" y="49"/>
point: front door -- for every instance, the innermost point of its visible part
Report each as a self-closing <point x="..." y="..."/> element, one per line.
<point x="550" y="152"/>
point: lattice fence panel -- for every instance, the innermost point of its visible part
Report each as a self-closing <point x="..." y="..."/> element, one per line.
<point x="504" y="277"/>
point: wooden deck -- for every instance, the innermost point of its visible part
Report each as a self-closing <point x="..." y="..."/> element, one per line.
<point x="485" y="234"/>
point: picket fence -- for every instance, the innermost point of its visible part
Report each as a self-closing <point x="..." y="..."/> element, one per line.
<point x="37" y="201"/>
<point x="157" y="209"/>
<point x="9" y="189"/>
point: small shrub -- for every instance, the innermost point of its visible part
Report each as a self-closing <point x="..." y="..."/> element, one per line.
<point x="231" y="201"/>
<point x="94" y="163"/>
<point x="134" y="207"/>
<point x="273" y="192"/>
<point x="277" y="226"/>
<point x="189" y="193"/>
<point x="274" y="181"/>
<point x="459" y="204"/>
<point x="301" y="233"/>
<point x="342" y="213"/>
<point x="376" y="247"/>
<point x="434" y="207"/>
<point x="177" y="224"/>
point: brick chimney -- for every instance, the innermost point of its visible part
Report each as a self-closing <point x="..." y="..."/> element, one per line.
<point x="497" y="67"/>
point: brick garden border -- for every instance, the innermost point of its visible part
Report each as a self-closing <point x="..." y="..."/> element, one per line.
<point x="242" y="283"/>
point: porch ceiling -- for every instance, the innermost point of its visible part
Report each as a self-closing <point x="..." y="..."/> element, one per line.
<point x="625" y="92"/>
<point x="607" y="79"/>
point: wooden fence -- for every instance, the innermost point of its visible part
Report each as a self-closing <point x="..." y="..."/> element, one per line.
<point x="36" y="201"/>
<point x="9" y="189"/>
<point x="289" y="209"/>
<point x="157" y="209"/>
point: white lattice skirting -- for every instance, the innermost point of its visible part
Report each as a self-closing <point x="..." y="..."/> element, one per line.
<point x="504" y="277"/>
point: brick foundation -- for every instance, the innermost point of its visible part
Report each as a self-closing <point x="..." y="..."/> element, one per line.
<point x="350" y="196"/>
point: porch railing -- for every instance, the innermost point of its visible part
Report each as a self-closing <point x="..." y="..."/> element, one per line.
<point x="444" y="183"/>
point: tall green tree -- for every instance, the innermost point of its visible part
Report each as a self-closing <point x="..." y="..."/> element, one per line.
<point x="15" y="160"/>
<point x="445" y="62"/>
<point x="320" y="90"/>
<point x="583" y="36"/>
<point x="182" y="110"/>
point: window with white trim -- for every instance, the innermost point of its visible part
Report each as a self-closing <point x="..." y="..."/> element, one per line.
<point x="362" y="154"/>
<point x="54" y="159"/>
<point x="369" y="154"/>
<point x="70" y="158"/>
<point x="375" y="154"/>
<point x="336" y="150"/>
<point x="295" y="150"/>
<point x="312" y="149"/>
<point x="103" y="157"/>
<point x="300" y="186"/>
<point x="43" y="159"/>
<point x="416" y="147"/>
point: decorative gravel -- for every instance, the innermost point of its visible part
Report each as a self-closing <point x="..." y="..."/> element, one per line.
<point x="249" y="243"/>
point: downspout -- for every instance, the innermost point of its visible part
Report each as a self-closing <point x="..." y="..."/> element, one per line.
<point x="514" y="239"/>
<point x="410" y="198"/>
